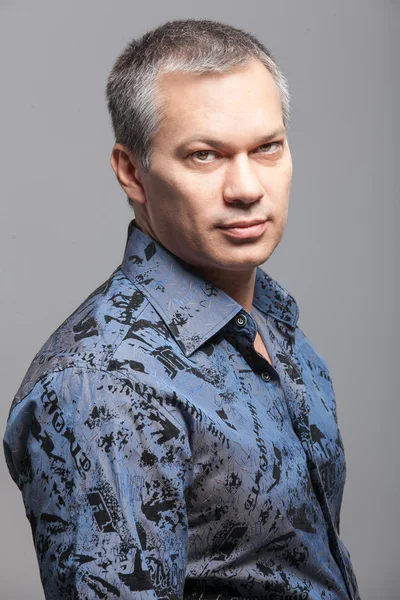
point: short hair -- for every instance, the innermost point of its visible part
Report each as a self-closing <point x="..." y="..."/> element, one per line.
<point x="190" y="46"/>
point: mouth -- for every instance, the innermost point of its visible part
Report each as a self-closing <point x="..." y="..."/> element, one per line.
<point x="245" y="229"/>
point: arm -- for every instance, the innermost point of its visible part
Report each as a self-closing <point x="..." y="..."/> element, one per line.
<point x="103" y="472"/>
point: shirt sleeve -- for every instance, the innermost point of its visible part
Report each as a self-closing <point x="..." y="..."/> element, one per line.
<point x="103" y="465"/>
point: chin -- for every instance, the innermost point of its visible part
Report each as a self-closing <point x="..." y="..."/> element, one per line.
<point x="249" y="260"/>
<point x="230" y="257"/>
<point x="250" y="257"/>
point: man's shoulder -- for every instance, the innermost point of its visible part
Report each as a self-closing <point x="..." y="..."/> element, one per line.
<point x="90" y="336"/>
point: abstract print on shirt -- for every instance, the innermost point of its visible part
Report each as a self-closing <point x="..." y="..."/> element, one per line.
<point x="159" y="456"/>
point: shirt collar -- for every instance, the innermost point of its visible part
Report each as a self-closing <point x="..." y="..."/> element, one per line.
<point x="191" y="307"/>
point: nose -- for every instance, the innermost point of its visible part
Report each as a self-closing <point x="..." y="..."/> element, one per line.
<point x="242" y="184"/>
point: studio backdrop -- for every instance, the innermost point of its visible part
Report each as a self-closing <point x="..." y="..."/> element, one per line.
<point x="64" y="219"/>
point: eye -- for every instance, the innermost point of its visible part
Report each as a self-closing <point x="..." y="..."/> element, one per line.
<point x="270" y="148"/>
<point x="203" y="155"/>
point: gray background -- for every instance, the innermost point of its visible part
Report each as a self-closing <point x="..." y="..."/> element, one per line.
<point x="64" y="218"/>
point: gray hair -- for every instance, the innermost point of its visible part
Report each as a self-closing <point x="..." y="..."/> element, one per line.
<point x="189" y="46"/>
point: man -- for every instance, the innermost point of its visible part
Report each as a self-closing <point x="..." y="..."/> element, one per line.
<point x="176" y="437"/>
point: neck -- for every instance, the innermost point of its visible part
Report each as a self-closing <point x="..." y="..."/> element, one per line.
<point x="239" y="285"/>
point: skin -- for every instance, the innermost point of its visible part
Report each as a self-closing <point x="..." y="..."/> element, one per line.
<point x="239" y="168"/>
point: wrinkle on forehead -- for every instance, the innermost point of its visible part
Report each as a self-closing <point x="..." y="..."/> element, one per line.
<point x="242" y="103"/>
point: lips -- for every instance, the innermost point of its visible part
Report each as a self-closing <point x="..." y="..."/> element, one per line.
<point x="243" y="224"/>
<point x="245" y="230"/>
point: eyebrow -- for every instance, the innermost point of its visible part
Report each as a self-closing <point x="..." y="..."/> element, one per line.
<point x="219" y="143"/>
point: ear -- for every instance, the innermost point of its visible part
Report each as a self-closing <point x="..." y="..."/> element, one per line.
<point x="127" y="171"/>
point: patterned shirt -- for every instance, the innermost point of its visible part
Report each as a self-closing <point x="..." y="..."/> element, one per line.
<point x="161" y="456"/>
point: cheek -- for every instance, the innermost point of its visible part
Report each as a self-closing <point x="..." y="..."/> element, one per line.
<point x="277" y="191"/>
<point x="192" y="201"/>
<point x="283" y="182"/>
<point x="177" y="207"/>
<point x="288" y="182"/>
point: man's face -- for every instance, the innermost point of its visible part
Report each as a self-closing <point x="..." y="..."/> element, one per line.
<point x="220" y="161"/>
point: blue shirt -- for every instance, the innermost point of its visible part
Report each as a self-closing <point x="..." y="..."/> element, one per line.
<point x="160" y="456"/>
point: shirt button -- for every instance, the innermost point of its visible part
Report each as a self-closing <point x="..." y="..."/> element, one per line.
<point x="265" y="376"/>
<point x="241" y="320"/>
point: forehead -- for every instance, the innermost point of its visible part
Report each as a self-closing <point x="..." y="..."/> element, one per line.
<point x="236" y="103"/>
